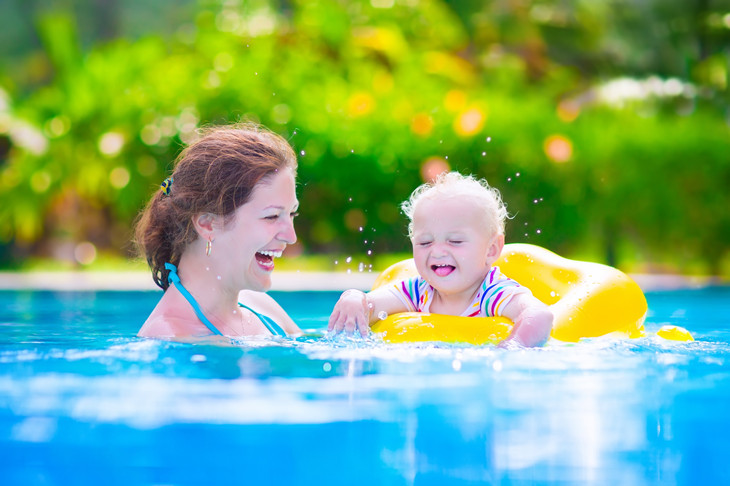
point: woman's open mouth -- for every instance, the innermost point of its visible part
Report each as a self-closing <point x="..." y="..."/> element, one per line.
<point x="265" y="258"/>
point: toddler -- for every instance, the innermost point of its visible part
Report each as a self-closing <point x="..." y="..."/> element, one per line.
<point x="457" y="232"/>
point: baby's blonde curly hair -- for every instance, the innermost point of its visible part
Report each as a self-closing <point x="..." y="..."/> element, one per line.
<point x="451" y="184"/>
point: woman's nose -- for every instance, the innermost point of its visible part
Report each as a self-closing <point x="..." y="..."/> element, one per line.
<point x="287" y="233"/>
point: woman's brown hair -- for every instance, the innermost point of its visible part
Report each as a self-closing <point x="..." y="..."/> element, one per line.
<point x="216" y="174"/>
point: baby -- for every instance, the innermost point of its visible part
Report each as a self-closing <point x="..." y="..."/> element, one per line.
<point x="457" y="232"/>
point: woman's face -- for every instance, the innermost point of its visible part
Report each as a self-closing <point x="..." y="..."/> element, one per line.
<point x="259" y="232"/>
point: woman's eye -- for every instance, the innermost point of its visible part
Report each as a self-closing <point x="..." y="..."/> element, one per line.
<point x="272" y="217"/>
<point x="456" y="242"/>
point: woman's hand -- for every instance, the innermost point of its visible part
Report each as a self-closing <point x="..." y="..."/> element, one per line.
<point x="351" y="313"/>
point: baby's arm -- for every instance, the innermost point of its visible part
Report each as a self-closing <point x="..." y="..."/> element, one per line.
<point x="533" y="321"/>
<point x="356" y="310"/>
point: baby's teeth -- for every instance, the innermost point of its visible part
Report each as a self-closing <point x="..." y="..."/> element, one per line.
<point x="271" y="253"/>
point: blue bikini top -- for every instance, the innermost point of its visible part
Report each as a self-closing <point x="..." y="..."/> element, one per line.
<point x="174" y="279"/>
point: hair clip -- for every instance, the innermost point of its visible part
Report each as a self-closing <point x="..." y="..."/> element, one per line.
<point x="166" y="186"/>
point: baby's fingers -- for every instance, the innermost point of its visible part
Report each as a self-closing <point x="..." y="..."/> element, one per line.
<point x="336" y="322"/>
<point x="363" y="327"/>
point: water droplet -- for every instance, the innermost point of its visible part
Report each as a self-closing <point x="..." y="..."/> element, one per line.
<point x="539" y="231"/>
<point x="352" y="151"/>
<point x="534" y="201"/>
<point x="509" y="179"/>
<point x="349" y="271"/>
<point x="327" y="367"/>
<point x="370" y="252"/>
<point x="295" y="132"/>
<point x="336" y="262"/>
<point x="489" y="139"/>
<point x="483" y="154"/>
<point x="256" y="74"/>
<point x="360" y="267"/>
<point x="348" y="259"/>
<point x="552" y="293"/>
<point x="382" y="315"/>
<point x="517" y="174"/>
<point x="366" y="242"/>
<point x="303" y="153"/>
<point x="360" y="228"/>
<point x="349" y="199"/>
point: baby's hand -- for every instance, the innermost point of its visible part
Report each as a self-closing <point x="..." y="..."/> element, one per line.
<point x="533" y="326"/>
<point x="351" y="313"/>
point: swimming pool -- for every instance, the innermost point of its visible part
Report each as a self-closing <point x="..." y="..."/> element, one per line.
<point x="83" y="401"/>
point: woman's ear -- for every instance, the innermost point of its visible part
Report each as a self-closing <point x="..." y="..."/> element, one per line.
<point x="205" y="225"/>
<point x="495" y="249"/>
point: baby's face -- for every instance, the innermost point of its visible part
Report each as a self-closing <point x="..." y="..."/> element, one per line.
<point x="453" y="247"/>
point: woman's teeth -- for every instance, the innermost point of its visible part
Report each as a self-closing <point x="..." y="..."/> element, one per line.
<point x="266" y="257"/>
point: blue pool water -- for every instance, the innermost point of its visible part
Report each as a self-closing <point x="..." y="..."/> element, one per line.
<point x="83" y="401"/>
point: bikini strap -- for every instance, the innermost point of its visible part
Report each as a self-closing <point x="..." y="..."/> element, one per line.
<point x="267" y="321"/>
<point x="174" y="279"/>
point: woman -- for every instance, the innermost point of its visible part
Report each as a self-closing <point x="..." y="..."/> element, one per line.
<point x="211" y="235"/>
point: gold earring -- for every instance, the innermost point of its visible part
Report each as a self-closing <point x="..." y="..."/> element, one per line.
<point x="208" y="247"/>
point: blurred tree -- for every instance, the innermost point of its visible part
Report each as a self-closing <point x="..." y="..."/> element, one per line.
<point x="604" y="124"/>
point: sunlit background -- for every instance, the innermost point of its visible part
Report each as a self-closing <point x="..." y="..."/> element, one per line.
<point x="605" y="123"/>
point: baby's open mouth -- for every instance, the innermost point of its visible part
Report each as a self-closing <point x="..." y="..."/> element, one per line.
<point x="265" y="258"/>
<point x="442" y="270"/>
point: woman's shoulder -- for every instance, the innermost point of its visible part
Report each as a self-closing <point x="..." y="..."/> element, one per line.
<point x="170" y="319"/>
<point x="263" y="303"/>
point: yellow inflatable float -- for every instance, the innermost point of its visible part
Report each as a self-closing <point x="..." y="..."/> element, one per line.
<point x="587" y="300"/>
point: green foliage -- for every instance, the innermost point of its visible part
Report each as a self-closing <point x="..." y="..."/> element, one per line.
<point x="371" y="98"/>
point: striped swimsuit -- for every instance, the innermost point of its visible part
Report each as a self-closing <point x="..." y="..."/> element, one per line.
<point x="493" y="296"/>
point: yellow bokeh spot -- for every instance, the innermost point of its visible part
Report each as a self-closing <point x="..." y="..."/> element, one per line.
<point x="360" y="104"/>
<point x="455" y="100"/>
<point x="111" y="143"/>
<point x="119" y="177"/>
<point x="40" y="181"/>
<point x="568" y="110"/>
<point x="422" y="124"/>
<point x="558" y="148"/>
<point x="469" y="122"/>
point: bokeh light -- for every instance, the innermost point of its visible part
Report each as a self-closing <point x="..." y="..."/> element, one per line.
<point x="433" y="167"/>
<point x="558" y="148"/>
